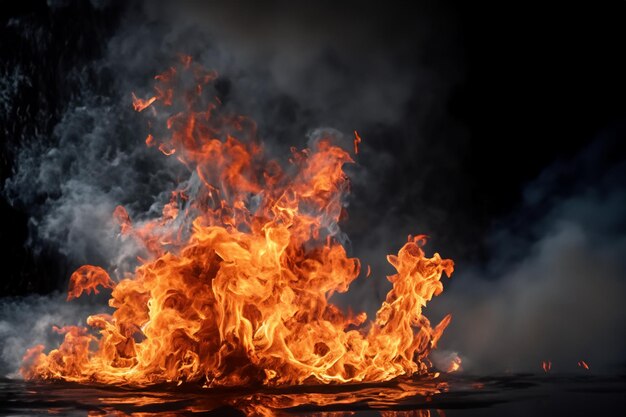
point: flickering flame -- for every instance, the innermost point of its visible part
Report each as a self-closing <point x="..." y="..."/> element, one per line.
<point x="455" y="364"/>
<point x="357" y="141"/>
<point x="546" y="365"/>
<point x="87" y="278"/>
<point x="140" y="104"/>
<point x="236" y="288"/>
<point x="583" y="364"/>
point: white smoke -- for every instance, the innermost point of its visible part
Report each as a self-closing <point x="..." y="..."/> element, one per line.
<point x="555" y="286"/>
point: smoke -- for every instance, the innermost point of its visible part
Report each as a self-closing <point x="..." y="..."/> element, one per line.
<point x="87" y="169"/>
<point x="554" y="288"/>
<point x="28" y="321"/>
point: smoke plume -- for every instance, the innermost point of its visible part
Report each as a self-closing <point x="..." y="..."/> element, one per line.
<point x="554" y="287"/>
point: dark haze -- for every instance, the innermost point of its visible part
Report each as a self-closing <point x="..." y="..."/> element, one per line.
<point x="497" y="131"/>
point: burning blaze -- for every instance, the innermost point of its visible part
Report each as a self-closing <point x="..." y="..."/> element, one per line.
<point x="239" y="270"/>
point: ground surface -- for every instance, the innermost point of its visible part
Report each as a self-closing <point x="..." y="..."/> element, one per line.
<point x="527" y="395"/>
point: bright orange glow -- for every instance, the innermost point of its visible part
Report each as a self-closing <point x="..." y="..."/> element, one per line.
<point x="237" y="287"/>
<point x="583" y="364"/>
<point x="141" y="104"/>
<point x="87" y="278"/>
<point x="455" y="364"/>
<point x="409" y="413"/>
<point x="357" y="141"/>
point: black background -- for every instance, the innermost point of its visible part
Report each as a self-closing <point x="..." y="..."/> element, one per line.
<point x="539" y="82"/>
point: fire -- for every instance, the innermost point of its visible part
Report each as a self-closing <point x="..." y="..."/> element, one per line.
<point x="547" y="366"/>
<point x="583" y="364"/>
<point x="455" y="364"/>
<point x="236" y="286"/>
<point x="87" y="278"/>
<point x="140" y="104"/>
<point x="357" y="141"/>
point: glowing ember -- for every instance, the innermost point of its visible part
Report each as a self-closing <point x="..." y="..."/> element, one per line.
<point x="583" y="364"/>
<point x="455" y="364"/>
<point x="546" y="365"/>
<point x="357" y="141"/>
<point x="241" y="268"/>
<point x="87" y="278"/>
<point x="141" y="105"/>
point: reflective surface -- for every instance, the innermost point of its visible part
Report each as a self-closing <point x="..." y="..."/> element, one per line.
<point x="528" y="395"/>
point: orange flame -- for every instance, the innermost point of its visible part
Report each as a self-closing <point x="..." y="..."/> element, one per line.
<point x="141" y="104"/>
<point x="87" y="278"/>
<point x="547" y="366"/>
<point x="455" y="364"/>
<point x="357" y="141"/>
<point x="238" y="284"/>
<point x="583" y="364"/>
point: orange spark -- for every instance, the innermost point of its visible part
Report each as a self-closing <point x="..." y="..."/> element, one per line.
<point x="357" y="141"/>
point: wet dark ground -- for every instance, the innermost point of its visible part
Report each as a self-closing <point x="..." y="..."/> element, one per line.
<point x="510" y="395"/>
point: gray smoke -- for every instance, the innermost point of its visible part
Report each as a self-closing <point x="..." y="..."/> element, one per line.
<point x="87" y="169"/>
<point x="28" y="321"/>
<point x="554" y="288"/>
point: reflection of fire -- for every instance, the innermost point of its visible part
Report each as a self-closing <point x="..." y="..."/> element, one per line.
<point x="237" y="285"/>
<point x="328" y="401"/>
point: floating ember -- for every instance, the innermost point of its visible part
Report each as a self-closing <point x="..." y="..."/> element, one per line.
<point x="455" y="364"/>
<point x="547" y="366"/>
<point x="236" y="287"/>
